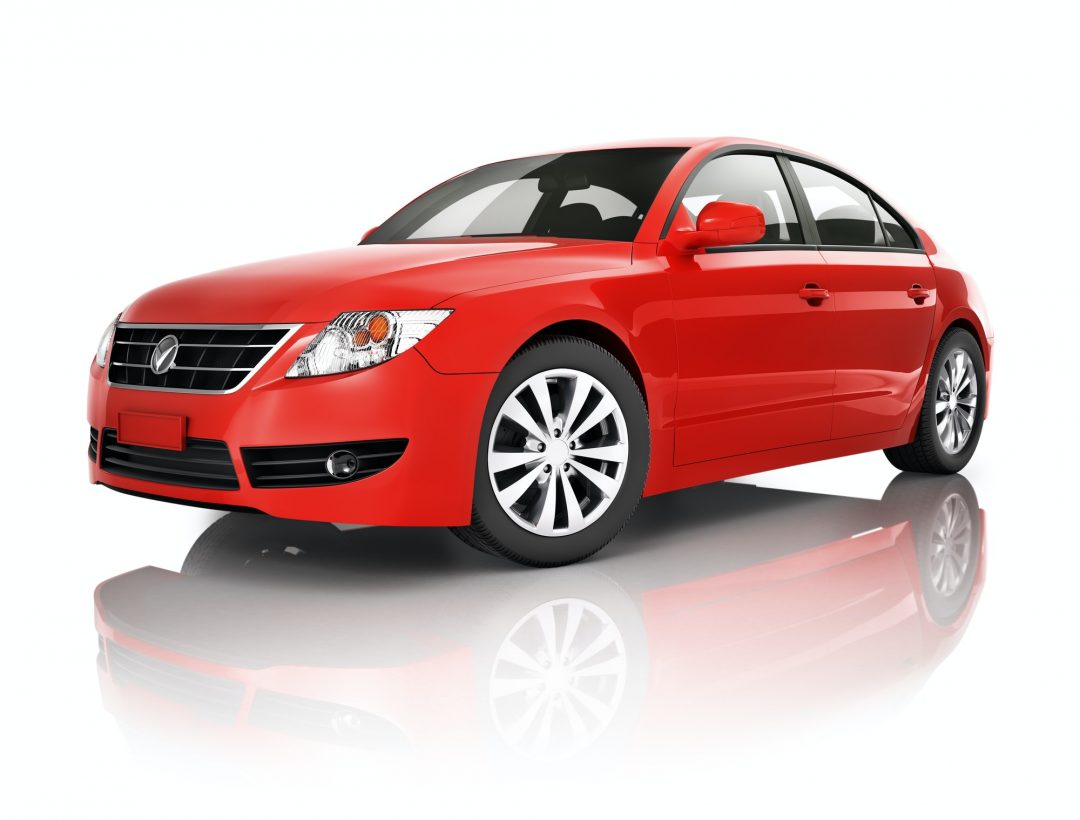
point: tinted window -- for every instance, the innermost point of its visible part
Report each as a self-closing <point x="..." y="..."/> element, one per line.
<point x="843" y="212"/>
<point x="584" y="194"/>
<point x="750" y="178"/>
<point x="896" y="235"/>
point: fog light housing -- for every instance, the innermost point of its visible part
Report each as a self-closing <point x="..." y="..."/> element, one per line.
<point x="342" y="464"/>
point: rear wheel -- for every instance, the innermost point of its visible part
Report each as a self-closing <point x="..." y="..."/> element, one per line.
<point x="563" y="455"/>
<point x="951" y="419"/>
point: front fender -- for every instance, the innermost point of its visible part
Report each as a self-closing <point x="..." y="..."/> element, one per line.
<point x="489" y="326"/>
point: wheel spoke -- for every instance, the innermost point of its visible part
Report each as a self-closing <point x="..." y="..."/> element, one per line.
<point x="602" y="410"/>
<point x="546" y="618"/>
<point x="582" y="387"/>
<point x="514" y="654"/>
<point x="943" y="425"/>
<point x="606" y="636"/>
<point x="965" y="419"/>
<point x="500" y="462"/>
<point x="612" y="666"/>
<point x="540" y="391"/>
<point x="574" y="611"/>
<point x="515" y="491"/>
<point x="516" y="412"/>
<point x="502" y="687"/>
<point x="964" y="382"/>
<point x="546" y="521"/>
<point x="607" y="485"/>
<point x="543" y="735"/>
<point x="600" y="710"/>
<point x="610" y="452"/>
<point x="517" y="730"/>
<point x="574" y="519"/>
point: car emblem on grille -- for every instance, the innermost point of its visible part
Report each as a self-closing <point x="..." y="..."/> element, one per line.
<point x="163" y="356"/>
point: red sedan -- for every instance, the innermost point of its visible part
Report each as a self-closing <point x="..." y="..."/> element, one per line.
<point x="525" y="350"/>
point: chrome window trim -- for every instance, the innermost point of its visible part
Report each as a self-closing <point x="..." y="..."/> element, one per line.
<point x="291" y="331"/>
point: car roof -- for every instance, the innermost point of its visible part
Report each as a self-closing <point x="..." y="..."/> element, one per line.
<point x="710" y="143"/>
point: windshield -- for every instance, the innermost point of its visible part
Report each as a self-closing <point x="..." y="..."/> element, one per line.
<point x="582" y="195"/>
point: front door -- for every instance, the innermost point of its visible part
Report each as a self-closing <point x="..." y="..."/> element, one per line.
<point x="754" y="338"/>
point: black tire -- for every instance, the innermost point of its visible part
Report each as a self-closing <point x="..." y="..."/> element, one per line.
<point x="491" y="529"/>
<point x="926" y="453"/>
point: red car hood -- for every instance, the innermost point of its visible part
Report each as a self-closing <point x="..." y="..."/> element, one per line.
<point x="317" y="287"/>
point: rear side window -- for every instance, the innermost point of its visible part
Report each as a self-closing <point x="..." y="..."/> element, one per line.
<point x="843" y="212"/>
<point x="896" y="235"/>
<point x="750" y="178"/>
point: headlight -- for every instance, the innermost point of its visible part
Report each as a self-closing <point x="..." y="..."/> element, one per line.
<point x="106" y="341"/>
<point x="356" y="340"/>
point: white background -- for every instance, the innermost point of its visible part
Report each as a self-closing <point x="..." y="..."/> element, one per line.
<point x="144" y="142"/>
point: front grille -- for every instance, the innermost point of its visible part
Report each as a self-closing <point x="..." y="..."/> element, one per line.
<point x="210" y="358"/>
<point x="209" y="697"/>
<point x="92" y="450"/>
<point x="202" y="463"/>
<point x="305" y="465"/>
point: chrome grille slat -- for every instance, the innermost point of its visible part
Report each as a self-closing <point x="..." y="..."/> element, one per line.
<point x="210" y="358"/>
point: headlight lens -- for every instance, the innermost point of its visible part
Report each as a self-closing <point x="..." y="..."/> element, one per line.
<point x="106" y="342"/>
<point x="356" y="340"/>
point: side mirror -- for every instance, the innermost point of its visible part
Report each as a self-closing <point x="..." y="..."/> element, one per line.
<point x="720" y="224"/>
<point x="369" y="232"/>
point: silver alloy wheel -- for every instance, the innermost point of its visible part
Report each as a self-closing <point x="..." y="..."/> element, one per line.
<point x="951" y="545"/>
<point x="558" y="452"/>
<point x="558" y="678"/>
<point x="957" y="401"/>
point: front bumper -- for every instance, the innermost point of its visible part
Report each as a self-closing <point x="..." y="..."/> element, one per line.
<point x="430" y="485"/>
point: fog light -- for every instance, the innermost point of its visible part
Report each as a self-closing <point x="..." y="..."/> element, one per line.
<point x="342" y="464"/>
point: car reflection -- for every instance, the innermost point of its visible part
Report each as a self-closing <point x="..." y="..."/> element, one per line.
<point x="723" y="610"/>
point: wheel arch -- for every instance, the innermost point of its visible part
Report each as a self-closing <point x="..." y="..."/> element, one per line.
<point x="971" y="325"/>
<point x="599" y="335"/>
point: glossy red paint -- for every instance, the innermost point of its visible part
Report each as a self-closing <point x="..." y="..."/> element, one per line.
<point x="719" y="224"/>
<point x="749" y="359"/>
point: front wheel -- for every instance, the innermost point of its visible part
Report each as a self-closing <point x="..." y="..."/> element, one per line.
<point x="951" y="419"/>
<point x="563" y="455"/>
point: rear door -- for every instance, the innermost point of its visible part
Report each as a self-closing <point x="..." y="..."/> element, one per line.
<point x="884" y="294"/>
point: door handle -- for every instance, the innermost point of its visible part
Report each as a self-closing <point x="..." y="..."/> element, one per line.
<point x="918" y="293"/>
<point x="813" y="294"/>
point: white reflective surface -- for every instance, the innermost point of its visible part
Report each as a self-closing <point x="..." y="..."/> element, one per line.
<point x="725" y="612"/>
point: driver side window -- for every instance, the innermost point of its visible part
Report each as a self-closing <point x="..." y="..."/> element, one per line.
<point x="751" y="178"/>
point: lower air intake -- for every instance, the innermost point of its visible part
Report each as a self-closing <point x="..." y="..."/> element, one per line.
<point x="307" y="465"/>
<point x="202" y="463"/>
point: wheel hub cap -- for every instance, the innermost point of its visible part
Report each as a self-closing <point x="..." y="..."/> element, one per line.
<point x="557" y="452"/>
<point x="957" y="401"/>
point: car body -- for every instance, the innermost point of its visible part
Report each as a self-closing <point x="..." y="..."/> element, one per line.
<point x="738" y="611"/>
<point x="748" y="356"/>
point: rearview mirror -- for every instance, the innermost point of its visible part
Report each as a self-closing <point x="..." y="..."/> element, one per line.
<point x="720" y="224"/>
<point x="369" y="232"/>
